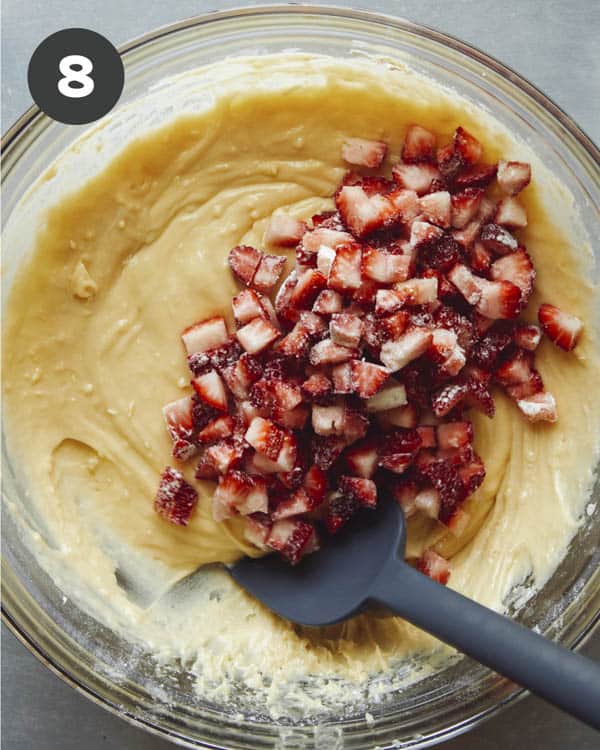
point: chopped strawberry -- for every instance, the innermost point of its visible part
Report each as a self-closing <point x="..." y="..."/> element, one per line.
<point x="296" y="343"/>
<point x="405" y="494"/>
<point x="467" y="146"/>
<point x="518" y="375"/>
<point x="317" y="388"/>
<point x="175" y="499"/>
<point x="341" y="376"/>
<point x="390" y="396"/>
<point x="297" y="503"/>
<point x="527" y="337"/>
<point x="356" y="424"/>
<point x="307" y="289"/>
<point x="339" y="511"/>
<point x="359" y="489"/>
<point x="562" y="328"/>
<point x="326" y="450"/>
<point x="179" y="419"/>
<point x="391" y="327"/>
<point x="441" y="255"/>
<point x="411" y="292"/>
<point x="243" y="261"/>
<point x="518" y="269"/>
<point x="498" y="239"/>
<point x="428" y="501"/>
<point x="224" y="454"/>
<point x="436" y="208"/>
<point x="477" y="176"/>
<point x="466" y="282"/>
<point x="472" y="473"/>
<point x="480" y="258"/>
<point x="367" y="378"/>
<point x="477" y="384"/>
<point x="325" y="258"/>
<point x="416" y="177"/>
<point x="447" y="352"/>
<point x="247" y="306"/>
<point x="406" y="206"/>
<point x="399" y="449"/>
<point x="481" y="323"/>
<point x="345" y="269"/>
<point x="397" y="354"/>
<point x="364" y="153"/>
<point x="513" y="176"/>
<point x="327" y="353"/>
<point x="384" y="267"/>
<point x="346" y="330"/>
<point x="465" y="206"/>
<point x="363" y="213"/>
<point x="265" y="437"/>
<point x="284" y="231"/>
<point x="361" y="458"/>
<point x="457" y="521"/>
<point x="400" y="416"/>
<point x="323" y="236"/>
<point x="206" y="469"/>
<point x="467" y="236"/>
<point x="268" y="272"/>
<point x="424" y="234"/>
<point x="499" y="300"/>
<point x="419" y="145"/>
<point x="257" y="335"/>
<point x="240" y="376"/>
<point x="510" y="213"/>
<point x="450" y="162"/>
<point x="256" y="499"/>
<point x="448" y="398"/>
<point x="428" y="436"/>
<point x="211" y="390"/>
<point x="221" y="427"/>
<point x="257" y="529"/>
<point x="489" y="348"/>
<point x="207" y="334"/>
<point x="454" y="434"/>
<point x="328" y="420"/>
<point x="293" y="539"/>
<point x="328" y="302"/>
<point x="315" y="483"/>
<point x="283" y="304"/>
<point x="540" y="407"/>
<point x="449" y="318"/>
<point x="434" y="566"/>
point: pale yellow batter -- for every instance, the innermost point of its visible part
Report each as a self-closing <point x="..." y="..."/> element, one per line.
<point x="92" y="352"/>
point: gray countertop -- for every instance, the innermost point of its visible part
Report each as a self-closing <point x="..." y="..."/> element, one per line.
<point x="554" y="45"/>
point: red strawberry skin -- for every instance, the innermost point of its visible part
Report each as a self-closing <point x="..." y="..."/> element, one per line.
<point x="175" y="499"/>
<point x="562" y="329"/>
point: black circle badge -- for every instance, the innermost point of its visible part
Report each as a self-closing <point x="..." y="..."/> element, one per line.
<point x="75" y="76"/>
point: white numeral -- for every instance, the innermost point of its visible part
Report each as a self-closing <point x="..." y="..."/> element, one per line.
<point x="79" y="76"/>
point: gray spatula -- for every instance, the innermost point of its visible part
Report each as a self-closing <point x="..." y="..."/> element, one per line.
<point x="365" y="564"/>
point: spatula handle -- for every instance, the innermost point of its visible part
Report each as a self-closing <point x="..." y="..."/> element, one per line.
<point x="564" y="678"/>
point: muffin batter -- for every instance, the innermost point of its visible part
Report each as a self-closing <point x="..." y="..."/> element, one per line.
<point x="92" y="352"/>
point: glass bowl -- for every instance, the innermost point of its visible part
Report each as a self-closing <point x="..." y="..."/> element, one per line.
<point x="82" y="651"/>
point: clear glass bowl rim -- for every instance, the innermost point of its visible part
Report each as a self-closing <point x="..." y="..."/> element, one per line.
<point x="512" y="693"/>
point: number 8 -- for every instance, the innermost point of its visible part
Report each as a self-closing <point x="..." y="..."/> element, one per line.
<point x="79" y="76"/>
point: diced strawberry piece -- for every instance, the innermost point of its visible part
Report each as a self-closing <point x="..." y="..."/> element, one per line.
<point x="297" y="503"/>
<point x="445" y="479"/>
<point x="405" y="494"/>
<point x="247" y="306"/>
<point x="510" y="213"/>
<point x="489" y="348"/>
<point x="441" y="255"/>
<point x="260" y="464"/>
<point x="292" y="539"/>
<point x="527" y="337"/>
<point x="327" y="219"/>
<point x="363" y="213"/>
<point x="480" y="257"/>
<point x="416" y="177"/>
<point x="359" y="489"/>
<point x="288" y="453"/>
<point x="428" y="436"/>
<point x="434" y="566"/>
<point x="346" y="330"/>
<point x="390" y="396"/>
<point x="419" y="145"/>
<point x="315" y="483"/>
<point x="392" y="326"/>
<point x="448" y="398"/>
<point x="562" y="328"/>
<point x="477" y="176"/>
<point x="446" y="351"/>
<point x="361" y="458"/>
<point x="257" y="335"/>
<point x="325" y="258"/>
<point x="268" y="272"/>
<point x="240" y="376"/>
<point x="481" y="323"/>
<point x="454" y="434"/>
<point x="341" y="376"/>
<point x="499" y="300"/>
<point x="317" y="388"/>
<point x="307" y="289"/>
<point x="207" y="334"/>
<point x="296" y="343"/>
<point x="284" y="231"/>
<point x="467" y="236"/>
<point x="283" y="301"/>
<point x="257" y="498"/>
<point x="265" y="437"/>
<point x="436" y="208"/>
<point x="428" y="501"/>
<point x="206" y="469"/>
<point x="423" y="234"/>
<point x="397" y="354"/>
<point x="339" y="511"/>
<point x="519" y="377"/>
<point x="179" y="419"/>
<point x="327" y="353"/>
<point x="540" y="407"/>
<point x="257" y="529"/>
<point x="476" y="382"/>
<point x="384" y="267"/>
<point x="411" y="292"/>
<point x="465" y="206"/>
<point x="364" y="297"/>
<point x="221" y="427"/>
<point x="322" y="236"/>
<point x="345" y="272"/>
<point x="218" y="358"/>
<point x="406" y="206"/>
<point x="328" y="420"/>
<point x="293" y="419"/>
<point x="356" y="424"/>
<point x="513" y="176"/>
<point x="328" y="302"/>
<point x="326" y="450"/>
<point x="367" y="378"/>
<point x="498" y="239"/>
<point x="472" y="473"/>
<point x="450" y="162"/>
<point x="364" y="153"/>
<point x="224" y="455"/>
<point x="175" y="499"/>
<point x="401" y="416"/>
<point x="449" y="318"/>
<point x="211" y="390"/>
<point x="518" y="269"/>
<point x="243" y="261"/>
<point x="467" y="146"/>
<point x="399" y="449"/>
